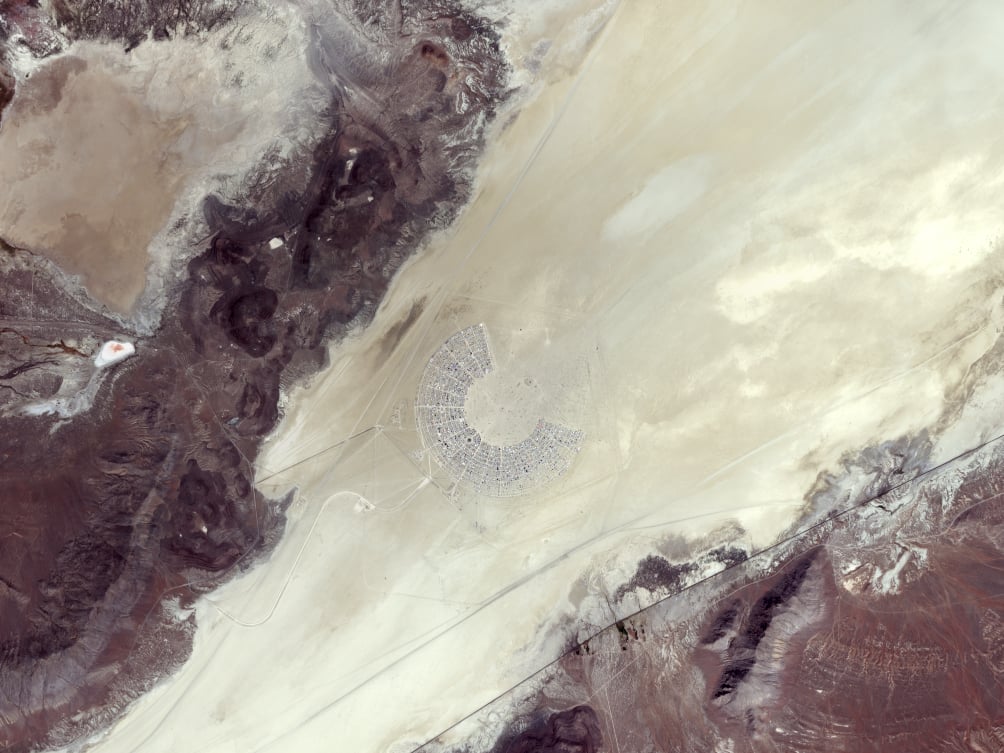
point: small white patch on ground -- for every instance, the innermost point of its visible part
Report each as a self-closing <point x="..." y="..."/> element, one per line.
<point x="114" y="200"/>
<point x="113" y="351"/>
<point x="665" y="195"/>
<point x="888" y="582"/>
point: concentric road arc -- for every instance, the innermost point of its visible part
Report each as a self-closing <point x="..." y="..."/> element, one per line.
<point x="471" y="461"/>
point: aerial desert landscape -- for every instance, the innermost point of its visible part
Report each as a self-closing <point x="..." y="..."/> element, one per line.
<point x="577" y="376"/>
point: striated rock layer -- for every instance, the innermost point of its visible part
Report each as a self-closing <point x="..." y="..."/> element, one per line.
<point x="878" y="629"/>
<point x="137" y="493"/>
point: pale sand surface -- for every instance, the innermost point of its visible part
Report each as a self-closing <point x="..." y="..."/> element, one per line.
<point x="100" y="148"/>
<point x="92" y="175"/>
<point x="766" y="236"/>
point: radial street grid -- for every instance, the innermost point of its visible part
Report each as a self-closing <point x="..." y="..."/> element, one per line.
<point x="486" y="468"/>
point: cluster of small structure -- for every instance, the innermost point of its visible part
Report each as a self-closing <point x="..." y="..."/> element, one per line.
<point x="486" y="468"/>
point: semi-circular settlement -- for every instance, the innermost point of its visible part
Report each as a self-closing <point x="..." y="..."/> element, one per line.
<point x="486" y="468"/>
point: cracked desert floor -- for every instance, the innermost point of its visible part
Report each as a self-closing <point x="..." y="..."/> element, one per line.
<point x="737" y="244"/>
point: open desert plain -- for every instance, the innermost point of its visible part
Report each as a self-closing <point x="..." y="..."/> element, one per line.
<point x="574" y="376"/>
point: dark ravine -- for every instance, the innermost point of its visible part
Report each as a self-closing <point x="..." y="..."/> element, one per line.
<point x="740" y="654"/>
<point x="148" y="497"/>
<point x="574" y="730"/>
<point x="876" y="625"/>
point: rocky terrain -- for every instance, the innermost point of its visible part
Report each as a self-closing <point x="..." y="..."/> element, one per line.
<point x="135" y="493"/>
<point x="878" y="628"/>
<point x="874" y="622"/>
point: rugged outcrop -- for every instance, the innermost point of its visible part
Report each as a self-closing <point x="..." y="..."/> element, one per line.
<point x="144" y="497"/>
<point x="878" y="628"/>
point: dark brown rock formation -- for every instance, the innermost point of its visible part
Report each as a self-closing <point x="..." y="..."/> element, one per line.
<point x="149" y="493"/>
<point x="576" y="730"/>
<point x="878" y="629"/>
